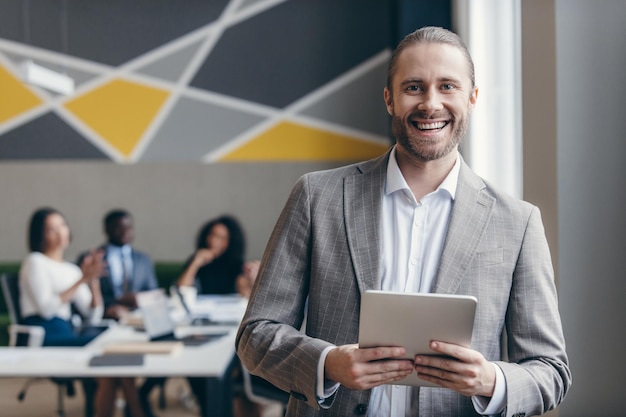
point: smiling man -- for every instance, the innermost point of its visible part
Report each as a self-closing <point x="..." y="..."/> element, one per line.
<point x="416" y="219"/>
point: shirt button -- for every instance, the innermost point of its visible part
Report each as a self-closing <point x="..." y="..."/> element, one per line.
<point x="360" y="409"/>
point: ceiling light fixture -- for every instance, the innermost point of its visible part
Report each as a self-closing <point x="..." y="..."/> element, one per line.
<point x="44" y="77"/>
<point x="39" y="75"/>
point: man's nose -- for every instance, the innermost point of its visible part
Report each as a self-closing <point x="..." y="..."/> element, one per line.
<point x="431" y="102"/>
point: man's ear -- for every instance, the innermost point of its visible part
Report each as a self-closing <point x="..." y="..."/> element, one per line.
<point x="388" y="100"/>
<point x="473" y="98"/>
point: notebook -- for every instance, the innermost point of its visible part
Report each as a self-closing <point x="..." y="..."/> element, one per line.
<point x="117" y="360"/>
<point x="158" y="324"/>
<point x="412" y="320"/>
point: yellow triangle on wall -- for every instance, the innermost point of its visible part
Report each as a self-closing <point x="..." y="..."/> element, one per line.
<point x="292" y="142"/>
<point x="119" y="111"/>
<point x="15" y="97"/>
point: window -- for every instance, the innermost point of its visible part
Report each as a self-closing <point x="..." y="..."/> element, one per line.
<point x="493" y="146"/>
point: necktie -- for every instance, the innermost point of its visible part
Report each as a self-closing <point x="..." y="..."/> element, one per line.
<point x="125" y="272"/>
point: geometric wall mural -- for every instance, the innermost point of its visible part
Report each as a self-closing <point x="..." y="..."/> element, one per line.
<point x="119" y="112"/>
<point x="16" y="98"/>
<point x="293" y="141"/>
<point x="216" y="81"/>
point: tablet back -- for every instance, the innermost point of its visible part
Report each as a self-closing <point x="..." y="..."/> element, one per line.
<point x="412" y="320"/>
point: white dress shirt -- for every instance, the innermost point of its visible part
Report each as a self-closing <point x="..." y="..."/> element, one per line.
<point x="119" y="259"/>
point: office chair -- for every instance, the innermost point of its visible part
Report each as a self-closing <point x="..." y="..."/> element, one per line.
<point x="260" y="391"/>
<point x="32" y="336"/>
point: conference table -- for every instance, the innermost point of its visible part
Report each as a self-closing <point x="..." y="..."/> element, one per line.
<point x="214" y="360"/>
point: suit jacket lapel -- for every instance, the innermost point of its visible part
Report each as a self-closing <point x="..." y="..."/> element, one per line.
<point x="106" y="279"/>
<point x="470" y="214"/>
<point x="362" y="204"/>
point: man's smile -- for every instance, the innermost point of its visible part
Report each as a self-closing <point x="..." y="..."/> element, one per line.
<point x="430" y="126"/>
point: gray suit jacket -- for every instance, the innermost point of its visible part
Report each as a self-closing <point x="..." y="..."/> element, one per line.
<point x="325" y="250"/>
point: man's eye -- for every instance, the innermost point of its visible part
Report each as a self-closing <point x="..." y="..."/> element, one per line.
<point x="448" y="87"/>
<point x="414" y="88"/>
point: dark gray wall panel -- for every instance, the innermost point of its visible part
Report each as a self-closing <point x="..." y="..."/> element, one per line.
<point x="369" y="115"/>
<point x="172" y="66"/>
<point x="408" y="15"/>
<point x="106" y="31"/>
<point x="47" y="137"/>
<point x="288" y="51"/>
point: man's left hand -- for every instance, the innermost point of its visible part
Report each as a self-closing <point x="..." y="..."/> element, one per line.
<point x="461" y="369"/>
<point x="116" y="312"/>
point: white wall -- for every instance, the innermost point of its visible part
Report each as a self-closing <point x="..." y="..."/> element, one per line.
<point x="169" y="201"/>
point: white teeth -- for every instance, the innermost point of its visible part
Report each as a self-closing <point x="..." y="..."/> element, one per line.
<point x="429" y="126"/>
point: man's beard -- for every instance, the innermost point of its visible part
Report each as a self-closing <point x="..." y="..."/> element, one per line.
<point x="423" y="149"/>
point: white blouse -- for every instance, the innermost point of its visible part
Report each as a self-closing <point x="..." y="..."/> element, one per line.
<point x="43" y="279"/>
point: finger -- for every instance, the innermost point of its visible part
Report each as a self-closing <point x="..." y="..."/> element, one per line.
<point x="383" y="372"/>
<point x="437" y="362"/>
<point x="389" y="366"/>
<point x="449" y="349"/>
<point x="438" y="377"/>
<point x="446" y="369"/>
<point x="379" y="353"/>
<point x="387" y="377"/>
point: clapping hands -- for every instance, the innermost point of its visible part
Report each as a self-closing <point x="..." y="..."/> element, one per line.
<point x="93" y="265"/>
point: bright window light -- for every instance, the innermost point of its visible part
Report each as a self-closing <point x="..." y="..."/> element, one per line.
<point x="493" y="146"/>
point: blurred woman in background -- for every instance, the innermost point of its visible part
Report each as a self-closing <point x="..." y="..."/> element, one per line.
<point x="49" y="286"/>
<point x="218" y="265"/>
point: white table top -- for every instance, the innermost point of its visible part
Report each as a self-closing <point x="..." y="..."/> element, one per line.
<point x="210" y="360"/>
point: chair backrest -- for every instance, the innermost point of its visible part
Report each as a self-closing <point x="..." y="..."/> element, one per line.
<point x="19" y="335"/>
<point x="11" y="291"/>
<point x="260" y="391"/>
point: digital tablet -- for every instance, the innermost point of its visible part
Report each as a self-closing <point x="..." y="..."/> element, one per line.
<point x="412" y="320"/>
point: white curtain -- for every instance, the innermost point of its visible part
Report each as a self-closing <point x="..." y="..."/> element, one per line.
<point x="493" y="147"/>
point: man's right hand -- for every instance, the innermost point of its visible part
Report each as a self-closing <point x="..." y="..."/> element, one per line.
<point x="361" y="369"/>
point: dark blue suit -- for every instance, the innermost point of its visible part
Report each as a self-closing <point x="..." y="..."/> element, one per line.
<point x="142" y="277"/>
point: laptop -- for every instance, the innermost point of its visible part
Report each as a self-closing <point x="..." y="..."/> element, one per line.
<point x="158" y="324"/>
<point x="200" y="319"/>
<point x="193" y="319"/>
<point x="412" y="320"/>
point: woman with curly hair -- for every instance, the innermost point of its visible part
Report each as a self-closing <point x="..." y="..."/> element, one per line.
<point x="218" y="265"/>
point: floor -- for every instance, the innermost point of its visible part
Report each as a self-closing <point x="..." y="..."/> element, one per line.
<point x="41" y="400"/>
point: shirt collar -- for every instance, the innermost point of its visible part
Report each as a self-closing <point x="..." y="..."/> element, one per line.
<point x="124" y="250"/>
<point x="395" y="179"/>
